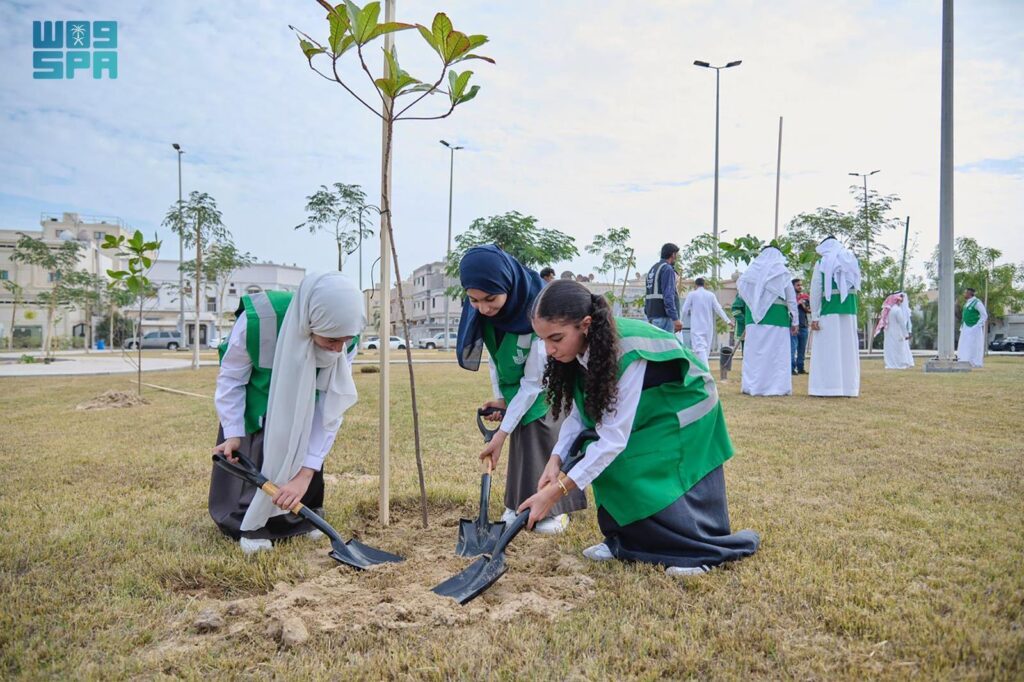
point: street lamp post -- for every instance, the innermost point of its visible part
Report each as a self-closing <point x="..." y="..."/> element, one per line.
<point x="867" y="255"/>
<point x="448" y="250"/>
<point x="718" y="69"/>
<point x="181" y="251"/>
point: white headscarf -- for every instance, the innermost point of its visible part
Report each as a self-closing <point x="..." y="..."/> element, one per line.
<point x="764" y="282"/>
<point x="329" y="305"/>
<point x="838" y="263"/>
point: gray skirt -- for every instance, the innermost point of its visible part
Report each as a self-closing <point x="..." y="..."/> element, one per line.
<point x="529" y="449"/>
<point x="230" y="498"/>
<point x="692" y="531"/>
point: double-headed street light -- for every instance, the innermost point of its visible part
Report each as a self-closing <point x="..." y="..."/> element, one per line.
<point x="717" y="69"/>
<point x="448" y="251"/>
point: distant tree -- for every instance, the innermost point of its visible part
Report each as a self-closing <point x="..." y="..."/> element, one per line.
<point x="199" y="224"/>
<point x="221" y="263"/>
<point x="139" y="255"/>
<point x="58" y="261"/>
<point x="17" y="293"/>
<point x="518" y="235"/>
<point x="331" y="209"/>
<point x="616" y="254"/>
<point x="85" y="292"/>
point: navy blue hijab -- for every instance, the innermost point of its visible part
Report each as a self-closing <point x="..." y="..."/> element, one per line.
<point x="490" y="269"/>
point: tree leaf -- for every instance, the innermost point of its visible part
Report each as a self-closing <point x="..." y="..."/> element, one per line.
<point x="456" y="46"/>
<point x="476" y="41"/>
<point x="441" y="27"/>
<point x="366" y="23"/>
<point x="457" y="82"/>
<point x="117" y="274"/>
<point x="310" y="50"/>
<point x="428" y="36"/>
<point x="469" y="95"/>
<point x="474" y="56"/>
<point x="339" y="27"/>
<point x="388" y="27"/>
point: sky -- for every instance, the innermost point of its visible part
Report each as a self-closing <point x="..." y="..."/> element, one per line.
<point x="593" y="117"/>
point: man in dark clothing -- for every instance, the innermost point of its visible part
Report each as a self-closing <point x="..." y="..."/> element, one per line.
<point x="799" y="340"/>
<point x="661" y="302"/>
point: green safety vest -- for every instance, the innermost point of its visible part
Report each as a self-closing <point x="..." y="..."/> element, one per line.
<point x="678" y="435"/>
<point x="971" y="314"/>
<point x="509" y="358"/>
<point x="777" y="315"/>
<point x="833" y="306"/>
<point x="264" y="313"/>
<point x="739" y="312"/>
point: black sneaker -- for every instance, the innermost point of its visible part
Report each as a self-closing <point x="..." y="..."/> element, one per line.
<point x="800" y="371"/>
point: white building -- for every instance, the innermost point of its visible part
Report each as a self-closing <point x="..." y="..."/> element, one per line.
<point x="425" y="303"/>
<point x="29" y="317"/>
<point x="215" y="315"/>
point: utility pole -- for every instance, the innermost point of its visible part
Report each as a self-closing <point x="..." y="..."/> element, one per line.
<point x="778" y="179"/>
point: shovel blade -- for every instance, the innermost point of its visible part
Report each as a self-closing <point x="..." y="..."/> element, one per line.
<point x="357" y="555"/>
<point x="476" y="538"/>
<point x="473" y="581"/>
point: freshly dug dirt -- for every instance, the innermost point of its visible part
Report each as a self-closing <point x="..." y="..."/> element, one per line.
<point x="112" y="399"/>
<point x="542" y="581"/>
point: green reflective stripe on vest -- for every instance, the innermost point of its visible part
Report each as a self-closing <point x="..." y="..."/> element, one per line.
<point x="833" y="306"/>
<point x="678" y="435"/>
<point x="509" y="358"/>
<point x="264" y="313"/>
<point x="777" y="315"/>
<point x="971" y="314"/>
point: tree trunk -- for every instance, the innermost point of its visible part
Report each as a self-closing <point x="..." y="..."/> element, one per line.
<point x="386" y="201"/>
<point x="199" y="278"/>
<point x="10" y="332"/>
<point x="48" y="334"/>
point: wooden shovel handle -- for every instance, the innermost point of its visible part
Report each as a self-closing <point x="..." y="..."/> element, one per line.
<point x="272" y="490"/>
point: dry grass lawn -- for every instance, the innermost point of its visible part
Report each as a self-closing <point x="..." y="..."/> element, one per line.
<point x="891" y="528"/>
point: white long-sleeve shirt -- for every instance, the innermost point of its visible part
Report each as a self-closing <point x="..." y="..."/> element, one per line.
<point x="229" y="398"/>
<point x="530" y="386"/>
<point x="702" y="306"/>
<point x="614" y="429"/>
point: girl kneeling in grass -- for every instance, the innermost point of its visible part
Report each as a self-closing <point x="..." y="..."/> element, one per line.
<point x="284" y="383"/>
<point x="657" y="468"/>
<point x="496" y="315"/>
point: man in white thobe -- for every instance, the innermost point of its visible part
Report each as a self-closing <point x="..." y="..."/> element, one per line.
<point x="835" y="352"/>
<point x="895" y="321"/>
<point x="702" y="306"/>
<point x="767" y="289"/>
<point x="971" y="347"/>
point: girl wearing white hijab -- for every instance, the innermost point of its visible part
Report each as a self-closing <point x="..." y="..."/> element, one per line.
<point x="835" y="355"/>
<point x="284" y="384"/>
<point x="771" y="319"/>
<point x="895" y="320"/>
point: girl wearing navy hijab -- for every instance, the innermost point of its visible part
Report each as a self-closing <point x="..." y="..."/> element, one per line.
<point x="496" y="314"/>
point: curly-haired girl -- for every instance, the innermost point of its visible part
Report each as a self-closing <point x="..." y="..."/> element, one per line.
<point x="496" y="315"/>
<point x="657" y="468"/>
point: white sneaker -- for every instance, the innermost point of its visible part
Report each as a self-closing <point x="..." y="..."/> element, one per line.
<point x="509" y="516"/>
<point x="686" y="571"/>
<point x="315" y="534"/>
<point x="552" y="525"/>
<point x="252" y="546"/>
<point x="599" y="552"/>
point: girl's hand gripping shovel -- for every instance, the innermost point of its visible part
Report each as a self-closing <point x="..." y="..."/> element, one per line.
<point x="479" y="536"/>
<point x="352" y="553"/>
<point x="485" y="571"/>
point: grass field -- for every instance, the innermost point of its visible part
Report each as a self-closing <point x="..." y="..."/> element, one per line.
<point x="891" y="528"/>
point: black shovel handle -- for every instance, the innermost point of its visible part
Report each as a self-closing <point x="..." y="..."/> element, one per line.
<point x="571" y="459"/>
<point x="487" y="433"/>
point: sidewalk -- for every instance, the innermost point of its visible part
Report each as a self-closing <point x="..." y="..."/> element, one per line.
<point x="69" y="363"/>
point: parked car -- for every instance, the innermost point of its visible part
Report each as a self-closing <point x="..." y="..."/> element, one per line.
<point x="168" y="340"/>
<point x="1014" y="344"/>
<point x="373" y="343"/>
<point x="437" y="341"/>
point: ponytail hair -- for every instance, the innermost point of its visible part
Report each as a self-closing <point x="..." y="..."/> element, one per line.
<point x="568" y="302"/>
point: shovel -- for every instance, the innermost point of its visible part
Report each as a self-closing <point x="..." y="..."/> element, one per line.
<point x="485" y="571"/>
<point x="479" y="536"/>
<point x="352" y="553"/>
